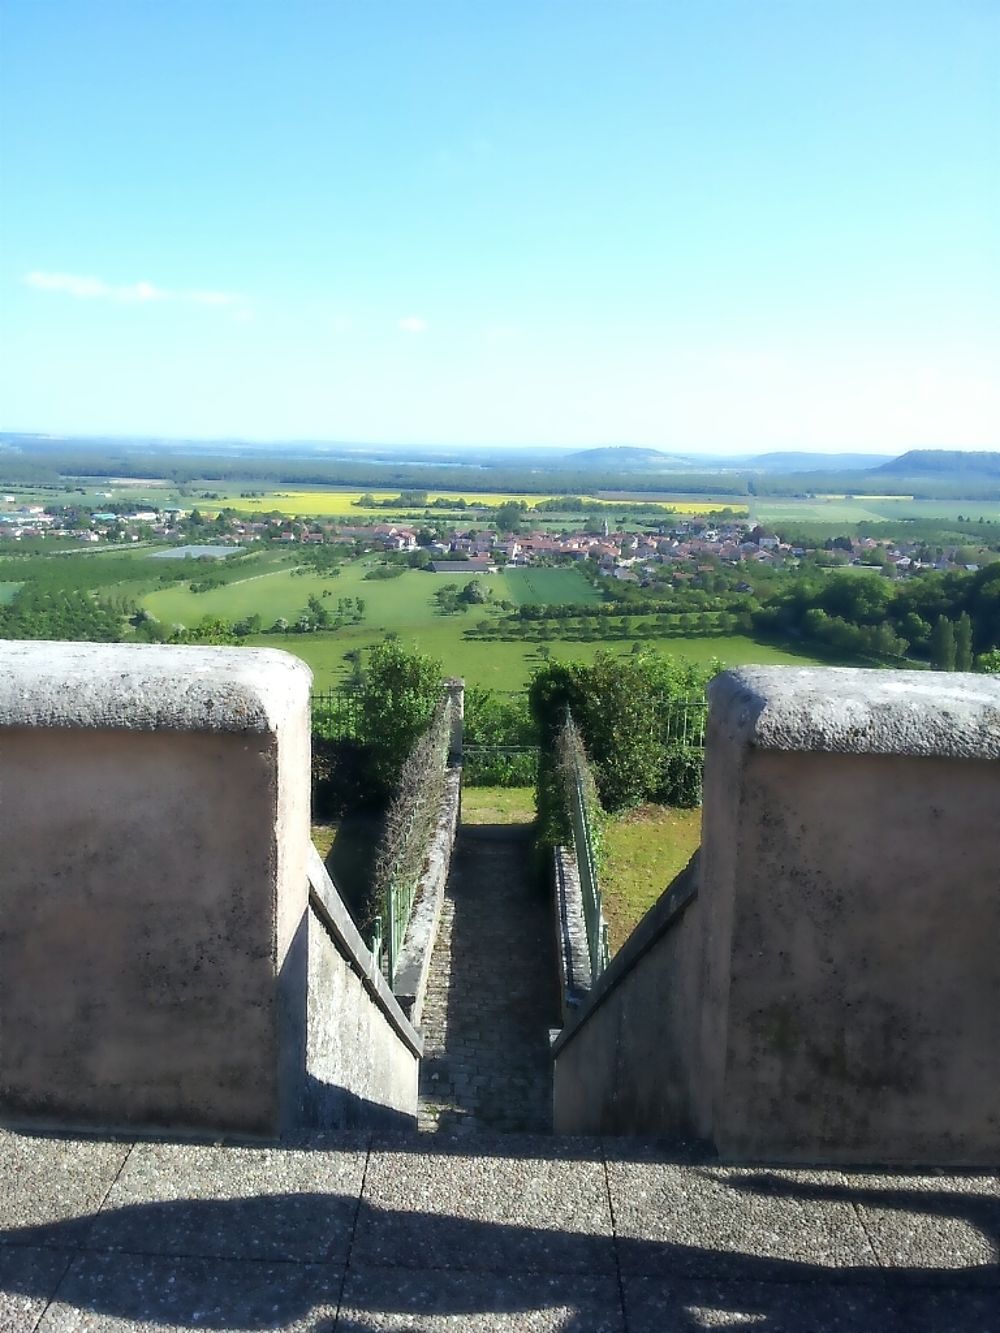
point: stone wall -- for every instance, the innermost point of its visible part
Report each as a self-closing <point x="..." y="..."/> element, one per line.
<point x="362" y="1054"/>
<point x="154" y="901"/>
<point x="837" y="972"/>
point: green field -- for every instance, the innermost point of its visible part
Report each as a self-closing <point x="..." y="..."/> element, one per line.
<point x="541" y="586"/>
<point x="509" y="666"/>
<point x="869" y="509"/>
<point x="8" y="592"/>
<point x="819" y="510"/>
<point x="405" y="606"/>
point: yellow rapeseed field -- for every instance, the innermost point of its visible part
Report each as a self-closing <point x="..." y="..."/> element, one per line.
<point x="295" y="503"/>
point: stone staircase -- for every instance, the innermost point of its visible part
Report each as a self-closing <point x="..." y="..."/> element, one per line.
<point x="491" y="995"/>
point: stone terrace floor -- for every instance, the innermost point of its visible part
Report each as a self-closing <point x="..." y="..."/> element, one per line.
<point x="420" y="1232"/>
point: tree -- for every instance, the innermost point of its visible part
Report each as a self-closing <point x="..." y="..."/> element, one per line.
<point x="510" y="515"/>
<point x="943" y="645"/>
<point x="963" y="643"/>
<point x="474" y="593"/>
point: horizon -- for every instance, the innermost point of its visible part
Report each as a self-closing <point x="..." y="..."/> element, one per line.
<point x="430" y="447"/>
<point x="717" y="233"/>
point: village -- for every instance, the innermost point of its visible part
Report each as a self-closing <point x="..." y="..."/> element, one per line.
<point x="687" y="544"/>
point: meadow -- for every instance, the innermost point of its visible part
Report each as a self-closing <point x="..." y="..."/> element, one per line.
<point x="406" y="606"/>
<point x="541" y="586"/>
<point x="868" y="509"/>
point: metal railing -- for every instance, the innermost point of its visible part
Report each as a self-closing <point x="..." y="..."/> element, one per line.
<point x="336" y="714"/>
<point x="500" y="765"/>
<point x="590" y="888"/>
<point x="685" y="721"/>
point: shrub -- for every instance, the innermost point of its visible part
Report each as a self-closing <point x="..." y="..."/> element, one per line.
<point x="396" y="702"/>
<point x="622" y="706"/>
<point x="412" y="817"/>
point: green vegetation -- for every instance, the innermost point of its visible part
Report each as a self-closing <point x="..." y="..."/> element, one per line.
<point x="542" y="586"/>
<point x="644" y="849"/>
<point x="498" y="805"/>
<point x="633" y="716"/>
<point x="885" y="620"/>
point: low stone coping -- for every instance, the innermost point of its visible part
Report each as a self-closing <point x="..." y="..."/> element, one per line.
<point x="414" y="962"/>
<point x="149" y="687"/>
<point x="572" y="952"/>
<point x="326" y="902"/>
<point x="843" y="710"/>
<point x="665" y="913"/>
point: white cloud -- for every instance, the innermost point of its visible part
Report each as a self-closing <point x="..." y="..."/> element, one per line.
<point x="142" y="292"/>
<point x="413" y="324"/>
<point x="69" y="283"/>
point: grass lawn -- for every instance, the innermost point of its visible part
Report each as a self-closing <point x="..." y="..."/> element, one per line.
<point x="498" y="805"/>
<point x="644" y="850"/>
<point x="8" y="591"/>
<point x="347" y="847"/>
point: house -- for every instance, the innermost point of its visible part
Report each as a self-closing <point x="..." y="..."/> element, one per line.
<point x="474" y="566"/>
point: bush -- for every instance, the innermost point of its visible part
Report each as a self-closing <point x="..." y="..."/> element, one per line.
<point x="411" y="818"/>
<point x="622" y="706"/>
<point x="396" y="702"/>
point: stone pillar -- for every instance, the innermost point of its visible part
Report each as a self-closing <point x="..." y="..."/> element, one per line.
<point x="850" y="917"/>
<point x="154" y="829"/>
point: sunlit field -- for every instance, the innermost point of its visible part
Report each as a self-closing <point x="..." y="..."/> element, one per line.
<point x="328" y="503"/>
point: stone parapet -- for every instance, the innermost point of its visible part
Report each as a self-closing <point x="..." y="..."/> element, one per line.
<point x="837" y="972"/>
<point x="159" y="963"/>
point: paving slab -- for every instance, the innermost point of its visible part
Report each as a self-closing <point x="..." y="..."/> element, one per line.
<point x="433" y="1301"/>
<point x="47" y="1185"/>
<point x="126" y="1293"/>
<point x="235" y="1203"/>
<point x="943" y="1309"/>
<point x="28" y="1280"/>
<point x="656" y="1306"/>
<point x="933" y="1227"/>
<point x="521" y="1203"/>
<point x="737" y="1223"/>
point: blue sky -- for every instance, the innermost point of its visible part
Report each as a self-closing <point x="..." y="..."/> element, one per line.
<point x="709" y="225"/>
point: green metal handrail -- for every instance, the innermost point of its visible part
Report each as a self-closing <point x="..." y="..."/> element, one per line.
<point x="590" y="888"/>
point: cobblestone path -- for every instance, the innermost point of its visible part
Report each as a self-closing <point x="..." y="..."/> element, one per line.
<point x="492" y="994"/>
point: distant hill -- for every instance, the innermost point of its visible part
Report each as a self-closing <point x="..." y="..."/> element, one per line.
<point x="791" y="461"/>
<point x="629" y="458"/>
<point x="943" y="463"/>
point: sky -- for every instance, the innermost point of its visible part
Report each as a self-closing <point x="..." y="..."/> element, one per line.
<point x="696" y="225"/>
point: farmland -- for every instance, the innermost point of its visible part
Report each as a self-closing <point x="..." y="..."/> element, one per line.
<point x="405" y="606"/>
<point x="850" y="510"/>
<point x="506" y="665"/>
<point x="539" y="586"/>
<point x="346" y="503"/>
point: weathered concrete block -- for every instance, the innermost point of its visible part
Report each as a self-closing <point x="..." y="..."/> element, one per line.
<point x="851" y="863"/>
<point x="154" y="825"/>
<point x="831" y="992"/>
